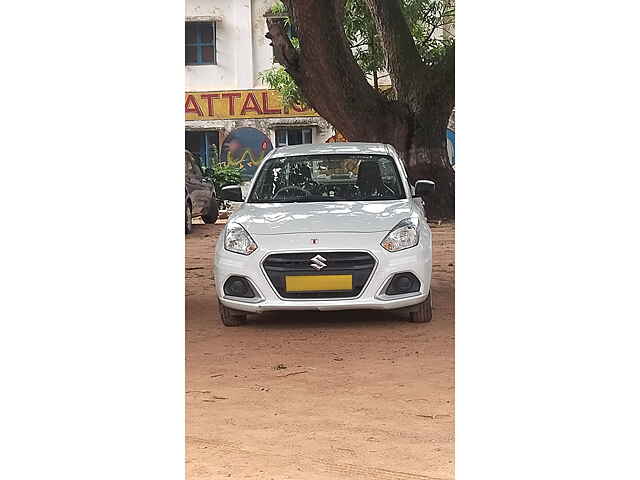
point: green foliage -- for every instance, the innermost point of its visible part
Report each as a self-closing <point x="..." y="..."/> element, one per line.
<point x="361" y="32"/>
<point x="278" y="8"/>
<point x="426" y="20"/>
<point x="223" y="174"/>
<point x="278" y="79"/>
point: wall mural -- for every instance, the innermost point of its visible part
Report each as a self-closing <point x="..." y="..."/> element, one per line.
<point x="246" y="146"/>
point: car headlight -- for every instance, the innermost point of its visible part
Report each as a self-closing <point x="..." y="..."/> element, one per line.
<point x="404" y="235"/>
<point x="237" y="240"/>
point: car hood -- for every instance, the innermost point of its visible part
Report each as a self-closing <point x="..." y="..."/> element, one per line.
<point x="281" y="218"/>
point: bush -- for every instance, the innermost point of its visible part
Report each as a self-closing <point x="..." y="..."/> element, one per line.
<point x="223" y="174"/>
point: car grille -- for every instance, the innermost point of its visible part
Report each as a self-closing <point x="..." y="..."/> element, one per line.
<point x="357" y="264"/>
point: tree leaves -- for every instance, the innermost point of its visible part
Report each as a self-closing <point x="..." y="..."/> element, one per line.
<point x="431" y="23"/>
<point x="278" y="79"/>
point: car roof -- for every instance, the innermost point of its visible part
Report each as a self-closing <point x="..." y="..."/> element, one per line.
<point x="332" y="148"/>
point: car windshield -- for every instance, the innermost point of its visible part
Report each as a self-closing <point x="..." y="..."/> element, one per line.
<point x="327" y="178"/>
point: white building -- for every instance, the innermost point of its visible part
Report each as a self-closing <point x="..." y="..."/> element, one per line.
<point x="226" y="104"/>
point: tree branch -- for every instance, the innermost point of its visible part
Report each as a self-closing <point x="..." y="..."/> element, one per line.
<point x="361" y="44"/>
<point x="442" y="80"/>
<point x="328" y="75"/>
<point x="283" y="50"/>
<point x="403" y="59"/>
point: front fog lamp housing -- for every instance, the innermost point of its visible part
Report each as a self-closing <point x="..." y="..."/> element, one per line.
<point x="237" y="240"/>
<point x="403" y="283"/>
<point x="238" y="287"/>
<point x="404" y="235"/>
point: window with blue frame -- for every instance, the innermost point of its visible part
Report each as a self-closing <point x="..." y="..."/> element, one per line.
<point x="200" y="43"/>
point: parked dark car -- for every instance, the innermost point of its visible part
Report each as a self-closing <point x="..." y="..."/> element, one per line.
<point x="199" y="194"/>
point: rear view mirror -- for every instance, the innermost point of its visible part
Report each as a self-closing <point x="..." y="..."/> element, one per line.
<point x="424" y="187"/>
<point x="231" y="193"/>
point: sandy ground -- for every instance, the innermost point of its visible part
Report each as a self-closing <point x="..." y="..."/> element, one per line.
<point x="306" y="395"/>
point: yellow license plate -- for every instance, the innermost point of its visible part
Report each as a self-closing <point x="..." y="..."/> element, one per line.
<point x="318" y="283"/>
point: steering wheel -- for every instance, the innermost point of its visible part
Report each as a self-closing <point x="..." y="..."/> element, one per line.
<point x="304" y="192"/>
<point x="312" y="186"/>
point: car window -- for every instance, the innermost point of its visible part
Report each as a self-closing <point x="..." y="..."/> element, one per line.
<point x="326" y="178"/>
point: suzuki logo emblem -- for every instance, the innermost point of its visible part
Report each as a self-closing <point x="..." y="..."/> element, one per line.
<point x="317" y="262"/>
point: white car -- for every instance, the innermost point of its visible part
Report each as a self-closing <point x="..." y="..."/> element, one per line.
<point x="326" y="227"/>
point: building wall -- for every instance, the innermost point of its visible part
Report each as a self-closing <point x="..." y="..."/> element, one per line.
<point x="262" y="51"/>
<point x="321" y="129"/>
<point x="242" y="50"/>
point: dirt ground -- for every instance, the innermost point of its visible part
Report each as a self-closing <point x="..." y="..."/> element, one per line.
<point x="318" y="395"/>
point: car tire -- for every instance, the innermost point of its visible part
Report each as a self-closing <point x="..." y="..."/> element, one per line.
<point x="212" y="212"/>
<point x="188" y="223"/>
<point x="423" y="313"/>
<point x="231" y="318"/>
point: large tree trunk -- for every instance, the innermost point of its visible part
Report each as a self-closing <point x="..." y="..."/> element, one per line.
<point x="330" y="79"/>
<point x="427" y="159"/>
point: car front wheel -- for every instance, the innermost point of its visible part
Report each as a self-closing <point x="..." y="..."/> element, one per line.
<point x="423" y="312"/>
<point x="231" y="318"/>
<point x="212" y="212"/>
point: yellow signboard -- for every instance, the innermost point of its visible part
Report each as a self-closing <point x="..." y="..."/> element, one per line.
<point x="240" y="104"/>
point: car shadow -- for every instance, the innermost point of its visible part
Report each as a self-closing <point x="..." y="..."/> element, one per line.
<point x="333" y="319"/>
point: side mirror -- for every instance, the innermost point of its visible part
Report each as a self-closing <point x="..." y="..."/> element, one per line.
<point x="231" y="193"/>
<point x="424" y="187"/>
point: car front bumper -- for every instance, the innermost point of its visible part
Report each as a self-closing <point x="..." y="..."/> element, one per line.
<point x="416" y="260"/>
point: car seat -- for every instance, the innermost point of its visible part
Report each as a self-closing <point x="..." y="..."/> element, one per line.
<point x="370" y="181"/>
